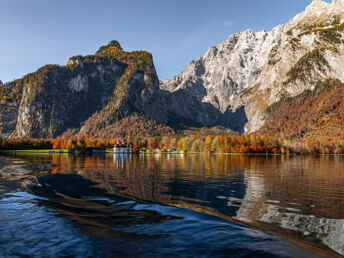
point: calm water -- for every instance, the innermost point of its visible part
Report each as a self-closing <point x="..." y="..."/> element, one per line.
<point x="169" y="205"/>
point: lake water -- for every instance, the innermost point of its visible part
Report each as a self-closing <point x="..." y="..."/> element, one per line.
<point x="171" y="205"/>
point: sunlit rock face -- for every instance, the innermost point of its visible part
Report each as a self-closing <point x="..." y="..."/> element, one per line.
<point x="100" y="87"/>
<point x="252" y="70"/>
<point x="60" y="99"/>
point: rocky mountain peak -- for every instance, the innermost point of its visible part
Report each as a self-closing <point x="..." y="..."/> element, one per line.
<point x="317" y="5"/>
<point x="89" y="93"/>
<point x="338" y="3"/>
<point x="320" y="5"/>
<point x="114" y="44"/>
<point x="251" y="70"/>
<point x="319" y="12"/>
<point x="75" y="60"/>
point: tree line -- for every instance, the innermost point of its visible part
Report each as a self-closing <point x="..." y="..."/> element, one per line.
<point x="189" y="143"/>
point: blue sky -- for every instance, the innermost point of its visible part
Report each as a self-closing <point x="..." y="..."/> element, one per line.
<point x="39" y="32"/>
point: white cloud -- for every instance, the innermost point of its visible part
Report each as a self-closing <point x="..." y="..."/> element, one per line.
<point x="228" y="23"/>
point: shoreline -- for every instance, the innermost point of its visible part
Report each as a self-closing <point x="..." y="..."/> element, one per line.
<point x="65" y="151"/>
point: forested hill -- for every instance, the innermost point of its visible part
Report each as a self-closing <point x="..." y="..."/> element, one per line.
<point x="317" y="113"/>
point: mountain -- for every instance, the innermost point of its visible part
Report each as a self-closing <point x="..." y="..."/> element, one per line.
<point x="236" y="84"/>
<point x="89" y="93"/>
<point x="244" y="75"/>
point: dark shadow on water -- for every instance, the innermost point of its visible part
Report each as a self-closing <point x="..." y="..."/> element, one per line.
<point x="85" y="203"/>
<point x="124" y="226"/>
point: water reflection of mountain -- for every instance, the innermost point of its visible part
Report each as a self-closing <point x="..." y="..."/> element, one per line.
<point x="125" y="176"/>
<point x="92" y="207"/>
<point x="303" y="194"/>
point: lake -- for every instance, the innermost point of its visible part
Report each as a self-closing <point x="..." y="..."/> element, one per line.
<point x="171" y="205"/>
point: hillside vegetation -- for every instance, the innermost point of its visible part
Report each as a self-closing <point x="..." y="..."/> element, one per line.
<point x="317" y="113"/>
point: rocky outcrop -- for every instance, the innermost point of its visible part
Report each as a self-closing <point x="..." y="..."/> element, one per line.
<point x="252" y="70"/>
<point x="56" y="98"/>
<point x="97" y="89"/>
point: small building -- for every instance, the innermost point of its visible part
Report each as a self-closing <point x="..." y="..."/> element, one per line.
<point x="122" y="147"/>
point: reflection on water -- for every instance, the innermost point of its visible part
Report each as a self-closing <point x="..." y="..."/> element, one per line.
<point x="301" y="195"/>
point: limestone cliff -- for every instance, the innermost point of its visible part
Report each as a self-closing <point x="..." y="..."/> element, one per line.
<point x="252" y="70"/>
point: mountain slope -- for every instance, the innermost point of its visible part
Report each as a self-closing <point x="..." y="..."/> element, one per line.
<point x="316" y="113"/>
<point x="106" y="86"/>
<point x="252" y="70"/>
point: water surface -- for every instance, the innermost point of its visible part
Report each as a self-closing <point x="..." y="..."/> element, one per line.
<point x="168" y="205"/>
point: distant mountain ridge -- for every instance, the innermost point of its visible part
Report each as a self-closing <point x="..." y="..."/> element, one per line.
<point x="232" y="85"/>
